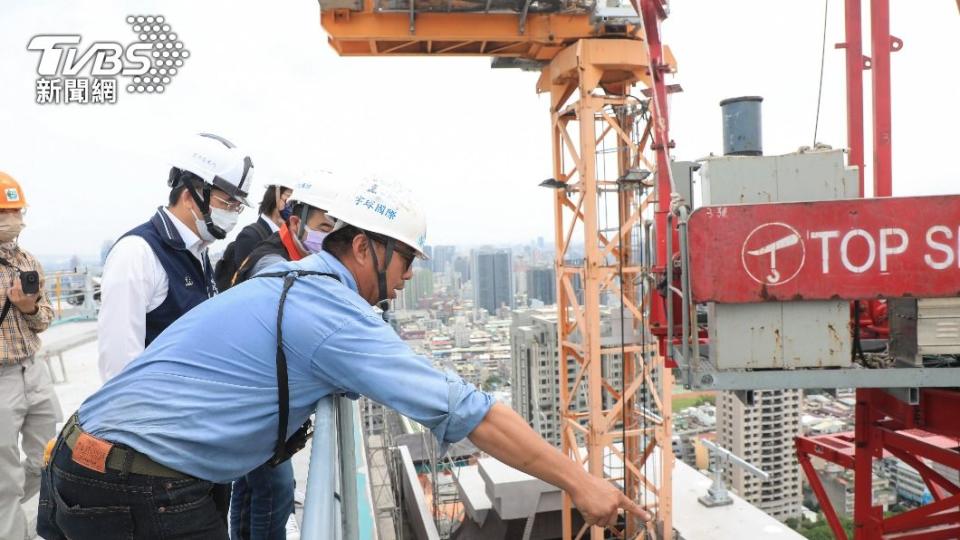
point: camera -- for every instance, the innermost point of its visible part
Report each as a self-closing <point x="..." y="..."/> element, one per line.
<point x="30" y="282"/>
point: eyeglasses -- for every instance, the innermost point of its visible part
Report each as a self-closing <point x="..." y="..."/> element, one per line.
<point x="407" y="254"/>
<point x="233" y="206"/>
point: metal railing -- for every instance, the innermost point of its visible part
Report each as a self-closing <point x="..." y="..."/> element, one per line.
<point x="73" y="294"/>
<point x="334" y="507"/>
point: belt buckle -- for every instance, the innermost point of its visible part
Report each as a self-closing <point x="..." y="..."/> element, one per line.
<point x="91" y="452"/>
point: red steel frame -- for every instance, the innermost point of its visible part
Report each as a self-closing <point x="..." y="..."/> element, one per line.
<point x="882" y="420"/>
<point x="653" y="12"/>
<point x="916" y="434"/>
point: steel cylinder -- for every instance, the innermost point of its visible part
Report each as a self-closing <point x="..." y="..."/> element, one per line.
<point x="742" y="134"/>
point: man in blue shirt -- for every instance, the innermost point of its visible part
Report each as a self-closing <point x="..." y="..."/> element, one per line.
<point x="200" y="406"/>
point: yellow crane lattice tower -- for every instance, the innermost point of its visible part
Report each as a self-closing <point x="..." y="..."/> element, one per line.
<point x="590" y="61"/>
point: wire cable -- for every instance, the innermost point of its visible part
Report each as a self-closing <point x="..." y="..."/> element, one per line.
<point x="823" y="56"/>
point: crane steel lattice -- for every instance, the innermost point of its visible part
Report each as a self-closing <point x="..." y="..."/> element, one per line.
<point x="602" y="136"/>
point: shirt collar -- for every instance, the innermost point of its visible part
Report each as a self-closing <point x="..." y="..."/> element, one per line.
<point x="193" y="243"/>
<point x="9" y="249"/>
<point x="269" y="223"/>
<point x="336" y="267"/>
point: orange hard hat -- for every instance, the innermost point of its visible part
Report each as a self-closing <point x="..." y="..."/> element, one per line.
<point x="11" y="194"/>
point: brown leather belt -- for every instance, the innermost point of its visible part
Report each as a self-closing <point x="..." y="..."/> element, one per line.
<point x="118" y="459"/>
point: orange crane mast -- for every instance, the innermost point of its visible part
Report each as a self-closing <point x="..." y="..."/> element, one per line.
<point x="608" y="146"/>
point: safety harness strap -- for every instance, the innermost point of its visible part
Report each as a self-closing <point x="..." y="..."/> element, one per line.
<point x="204" y="204"/>
<point x="282" y="451"/>
<point x="383" y="301"/>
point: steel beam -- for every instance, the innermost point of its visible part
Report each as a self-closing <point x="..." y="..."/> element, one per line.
<point x="817" y="485"/>
<point x="855" y="64"/>
<point x="707" y="378"/>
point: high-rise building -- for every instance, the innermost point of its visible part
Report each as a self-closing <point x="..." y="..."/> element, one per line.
<point x="442" y="259"/>
<point x="762" y="433"/>
<point x="461" y="265"/>
<point x="520" y="286"/>
<point x="417" y="288"/>
<point x="535" y="369"/>
<point x="420" y="263"/>
<point x="542" y="285"/>
<point x="492" y="275"/>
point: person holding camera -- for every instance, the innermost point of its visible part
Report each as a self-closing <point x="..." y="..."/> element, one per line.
<point x="160" y="270"/>
<point x="28" y="403"/>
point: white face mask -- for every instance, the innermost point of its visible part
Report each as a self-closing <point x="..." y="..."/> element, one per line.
<point x="225" y="219"/>
<point x="10" y="226"/>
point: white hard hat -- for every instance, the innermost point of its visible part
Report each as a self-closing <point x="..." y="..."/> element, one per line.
<point x="384" y="208"/>
<point x="217" y="162"/>
<point x="318" y="192"/>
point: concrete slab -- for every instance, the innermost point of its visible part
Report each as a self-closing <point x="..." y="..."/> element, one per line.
<point x="472" y="491"/>
<point x="515" y="494"/>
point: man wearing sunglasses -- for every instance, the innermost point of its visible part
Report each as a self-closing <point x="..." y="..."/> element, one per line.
<point x="141" y="455"/>
<point x="160" y="270"/>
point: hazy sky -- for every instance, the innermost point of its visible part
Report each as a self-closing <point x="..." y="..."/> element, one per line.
<point x="473" y="142"/>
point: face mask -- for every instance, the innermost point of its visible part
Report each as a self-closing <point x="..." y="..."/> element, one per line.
<point x="10" y="226"/>
<point x="285" y="209"/>
<point x="225" y="219"/>
<point x="313" y="241"/>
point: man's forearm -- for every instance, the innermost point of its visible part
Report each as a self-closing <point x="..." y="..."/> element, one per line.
<point x="506" y="436"/>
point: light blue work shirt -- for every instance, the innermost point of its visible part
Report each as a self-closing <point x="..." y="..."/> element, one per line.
<point x="202" y="399"/>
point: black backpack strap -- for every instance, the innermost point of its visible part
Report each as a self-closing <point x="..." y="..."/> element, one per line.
<point x="7" y="304"/>
<point x="240" y="271"/>
<point x="263" y="230"/>
<point x="283" y="450"/>
<point x="6" y="309"/>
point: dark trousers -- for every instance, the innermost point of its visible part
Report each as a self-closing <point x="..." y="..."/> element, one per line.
<point x="262" y="502"/>
<point x="80" y="503"/>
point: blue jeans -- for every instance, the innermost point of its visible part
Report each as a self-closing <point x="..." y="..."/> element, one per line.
<point x="261" y="503"/>
<point x="80" y="503"/>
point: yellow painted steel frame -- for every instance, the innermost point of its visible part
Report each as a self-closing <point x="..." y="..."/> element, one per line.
<point x="586" y="81"/>
<point x="369" y="33"/>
